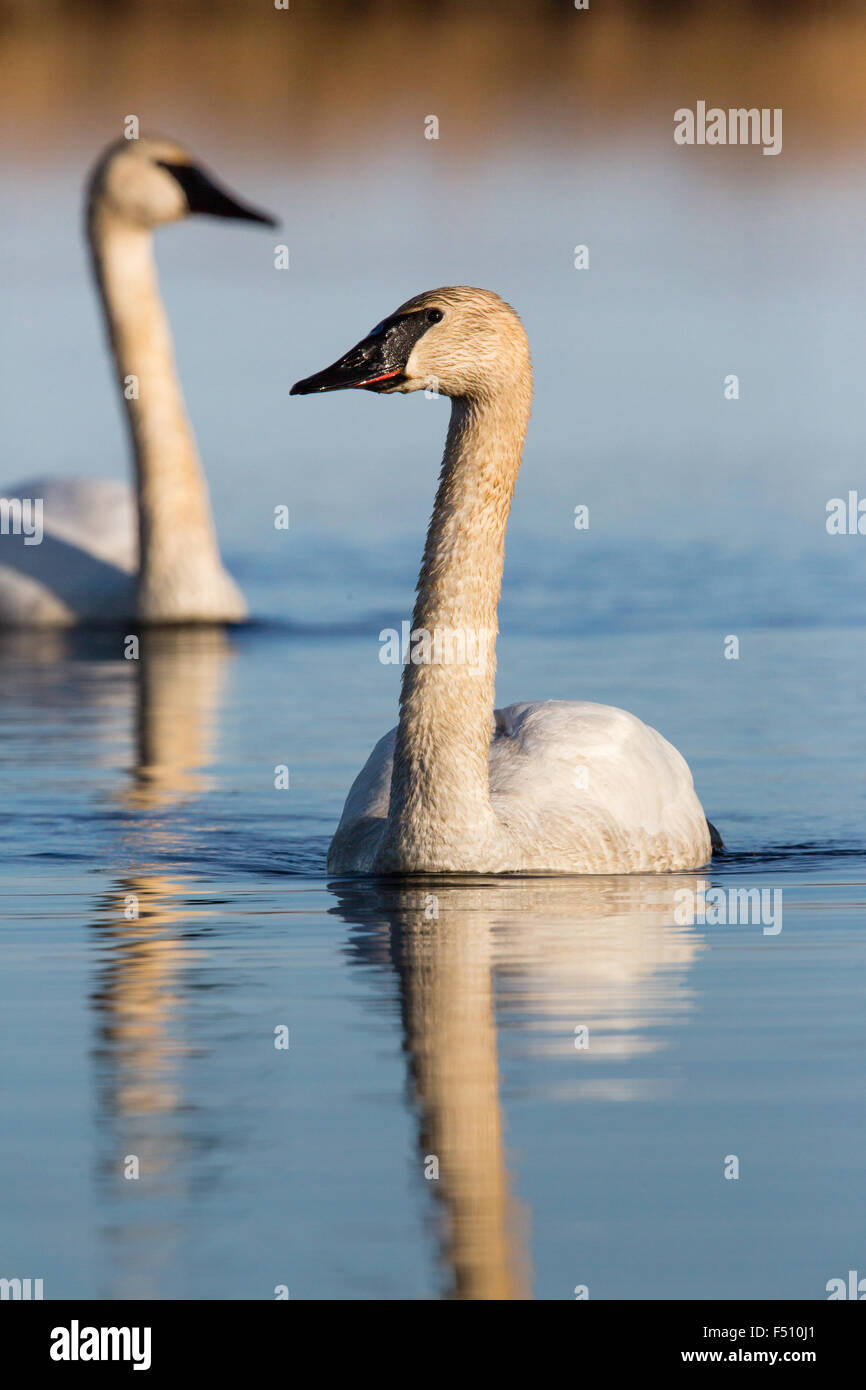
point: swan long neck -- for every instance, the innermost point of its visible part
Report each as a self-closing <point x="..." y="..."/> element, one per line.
<point x="180" y="567"/>
<point x="440" y="789"/>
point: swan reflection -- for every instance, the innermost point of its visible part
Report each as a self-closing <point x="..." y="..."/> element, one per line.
<point x="148" y="934"/>
<point x="142" y="919"/>
<point x="181" y="675"/>
<point x="539" y="958"/>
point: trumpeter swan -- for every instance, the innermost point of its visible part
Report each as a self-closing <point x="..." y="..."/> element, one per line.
<point x="556" y="786"/>
<point x="106" y="553"/>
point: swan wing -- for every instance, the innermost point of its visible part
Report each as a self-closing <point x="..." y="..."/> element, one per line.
<point x="357" y="836"/>
<point x="587" y="788"/>
<point x="84" y="565"/>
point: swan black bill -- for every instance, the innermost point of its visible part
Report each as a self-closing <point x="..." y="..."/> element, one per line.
<point x="377" y="363"/>
<point x="340" y="378"/>
<point x="204" y="195"/>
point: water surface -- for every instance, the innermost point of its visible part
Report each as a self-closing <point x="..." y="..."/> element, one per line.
<point x="164" y="908"/>
<point x="426" y="1018"/>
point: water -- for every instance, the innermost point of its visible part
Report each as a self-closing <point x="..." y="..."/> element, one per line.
<point x="149" y="786"/>
<point x="153" y="782"/>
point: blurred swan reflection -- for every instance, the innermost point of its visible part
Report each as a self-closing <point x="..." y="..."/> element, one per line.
<point x="180" y="684"/>
<point x="167" y="701"/>
<point x="148" y="940"/>
<point x="180" y="678"/>
<point x="602" y="954"/>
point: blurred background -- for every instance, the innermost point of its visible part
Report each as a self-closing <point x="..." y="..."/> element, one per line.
<point x="555" y="129"/>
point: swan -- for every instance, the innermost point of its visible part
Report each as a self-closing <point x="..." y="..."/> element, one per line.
<point x="458" y="786"/>
<point x="106" y="553"/>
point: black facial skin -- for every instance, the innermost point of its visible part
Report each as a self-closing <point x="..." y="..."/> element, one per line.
<point x="204" y="195"/>
<point x="378" y="361"/>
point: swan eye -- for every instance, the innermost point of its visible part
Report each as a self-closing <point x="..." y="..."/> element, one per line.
<point x="435" y="316"/>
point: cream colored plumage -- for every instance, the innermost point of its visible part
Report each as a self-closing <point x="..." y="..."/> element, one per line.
<point x="109" y="553"/>
<point x="555" y="786"/>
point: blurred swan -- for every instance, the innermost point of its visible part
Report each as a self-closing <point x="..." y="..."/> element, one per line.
<point x="109" y="553"/>
<point x="554" y="786"/>
<point x="478" y="958"/>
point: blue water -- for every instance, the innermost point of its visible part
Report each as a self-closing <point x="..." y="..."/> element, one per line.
<point x="411" y="1037"/>
<point x="148" y="787"/>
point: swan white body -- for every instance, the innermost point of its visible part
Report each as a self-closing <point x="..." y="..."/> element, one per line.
<point x="576" y="788"/>
<point x="458" y="787"/>
<point x="87" y="561"/>
<point x="107" y="553"/>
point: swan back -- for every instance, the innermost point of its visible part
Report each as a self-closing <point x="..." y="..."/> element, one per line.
<point x="587" y="788"/>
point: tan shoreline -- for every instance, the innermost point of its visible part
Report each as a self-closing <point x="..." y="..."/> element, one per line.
<point x="282" y="83"/>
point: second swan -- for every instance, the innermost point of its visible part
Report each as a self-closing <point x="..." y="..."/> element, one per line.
<point x="109" y="554"/>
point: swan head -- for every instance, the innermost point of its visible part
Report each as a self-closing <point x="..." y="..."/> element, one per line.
<point x="152" y="180"/>
<point x="457" y="341"/>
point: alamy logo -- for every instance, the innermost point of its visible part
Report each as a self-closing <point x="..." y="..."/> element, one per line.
<point x="76" y="1343"/>
<point x="21" y="1288"/>
<point x="22" y="516"/>
<point x="704" y="906"/>
<point x="855" y="1288"/>
<point x="737" y="126"/>
<point x="443" y="646"/>
<point x="846" y="518"/>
